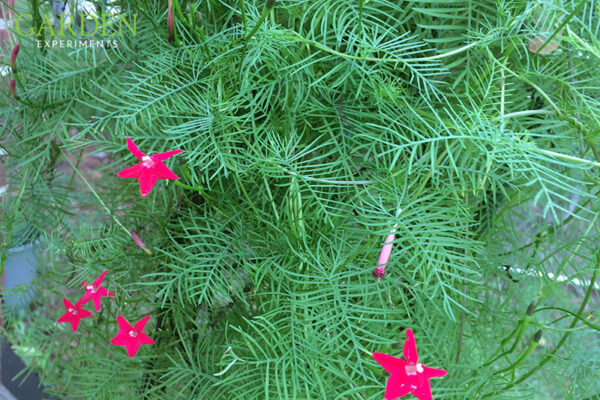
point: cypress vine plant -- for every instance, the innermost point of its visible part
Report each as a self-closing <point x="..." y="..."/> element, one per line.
<point x="456" y="141"/>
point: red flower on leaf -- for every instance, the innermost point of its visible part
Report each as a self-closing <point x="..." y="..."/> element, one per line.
<point x="131" y="337"/>
<point x="407" y="376"/>
<point x="150" y="169"/>
<point x="74" y="313"/>
<point x="93" y="291"/>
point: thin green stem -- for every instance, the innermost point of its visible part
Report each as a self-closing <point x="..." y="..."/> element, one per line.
<point x="550" y="355"/>
<point x="184" y="20"/>
<point x="263" y="16"/>
<point x="572" y="314"/>
<point x="244" y="16"/>
<point x="297" y="37"/>
<point x="91" y="188"/>
<point x="361" y="5"/>
<point x="532" y="345"/>
<point x="37" y="23"/>
<point x="526" y="113"/>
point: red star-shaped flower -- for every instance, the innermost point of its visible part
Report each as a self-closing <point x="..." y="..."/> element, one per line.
<point x="131" y="337"/>
<point x="150" y="169"/>
<point x="93" y="291"/>
<point x="74" y="313"/>
<point x="407" y="376"/>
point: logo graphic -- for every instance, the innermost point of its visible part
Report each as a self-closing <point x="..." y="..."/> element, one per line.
<point x="85" y="28"/>
<point x="66" y="22"/>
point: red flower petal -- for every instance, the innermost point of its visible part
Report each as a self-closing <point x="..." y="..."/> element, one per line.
<point x="165" y="155"/>
<point x="134" y="149"/>
<point x="75" y="323"/>
<point x="131" y="172"/>
<point x="433" y="372"/>
<point x="145" y="339"/>
<point x="81" y="301"/>
<point x="64" y="318"/>
<point x="422" y="391"/>
<point x="132" y="348"/>
<point x="99" y="279"/>
<point x="410" y="347"/>
<point x="163" y="172"/>
<point x="139" y="326"/>
<point x="389" y="363"/>
<point x="396" y="387"/>
<point x="121" y="339"/>
<point x="87" y="296"/>
<point x="96" y="299"/>
<point x="124" y="326"/>
<point x="147" y="181"/>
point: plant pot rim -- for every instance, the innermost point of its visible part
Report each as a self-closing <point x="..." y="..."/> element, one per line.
<point x="20" y="249"/>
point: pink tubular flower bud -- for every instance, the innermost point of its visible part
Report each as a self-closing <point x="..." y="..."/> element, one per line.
<point x="139" y="242"/>
<point x="386" y="251"/>
<point x="384" y="256"/>
<point x="13" y="87"/>
<point x="13" y="58"/>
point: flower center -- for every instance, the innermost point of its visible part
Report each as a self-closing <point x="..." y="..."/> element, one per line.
<point x="413" y="369"/>
<point x="133" y="333"/>
<point x="379" y="272"/>
<point x="148" y="162"/>
<point x="90" y="287"/>
<point x="72" y="310"/>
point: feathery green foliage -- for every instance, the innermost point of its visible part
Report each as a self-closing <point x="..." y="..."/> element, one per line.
<point x="309" y="131"/>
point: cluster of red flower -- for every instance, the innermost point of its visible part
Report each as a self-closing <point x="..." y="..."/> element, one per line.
<point x="147" y="172"/>
<point x="130" y="337"/>
<point x="407" y="376"/>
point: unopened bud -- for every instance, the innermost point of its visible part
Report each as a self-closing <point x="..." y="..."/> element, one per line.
<point x="139" y="242"/>
<point x="170" y="21"/>
<point x="531" y="309"/>
<point x="13" y="87"/>
<point x="537" y="336"/>
<point x="13" y="58"/>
